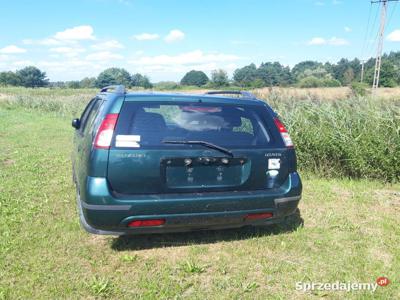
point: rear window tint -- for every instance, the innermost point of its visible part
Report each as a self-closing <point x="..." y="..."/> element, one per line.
<point x="147" y="125"/>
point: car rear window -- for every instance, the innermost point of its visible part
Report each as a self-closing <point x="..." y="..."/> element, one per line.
<point x="150" y="124"/>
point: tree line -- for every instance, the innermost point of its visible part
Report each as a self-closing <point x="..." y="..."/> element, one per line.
<point x="304" y="74"/>
<point x="33" y="77"/>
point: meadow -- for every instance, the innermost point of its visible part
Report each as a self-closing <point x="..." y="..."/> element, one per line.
<point x="336" y="133"/>
<point x="347" y="229"/>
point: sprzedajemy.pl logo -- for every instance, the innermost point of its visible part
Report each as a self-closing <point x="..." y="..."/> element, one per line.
<point x="341" y="286"/>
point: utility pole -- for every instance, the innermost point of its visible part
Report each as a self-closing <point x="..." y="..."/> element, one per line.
<point x="362" y="70"/>
<point x="378" y="59"/>
<point x="381" y="37"/>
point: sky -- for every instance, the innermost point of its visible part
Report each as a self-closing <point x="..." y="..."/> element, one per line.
<point x="73" y="39"/>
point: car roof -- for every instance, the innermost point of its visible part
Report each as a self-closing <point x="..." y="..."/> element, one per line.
<point x="115" y="92"/>
<point x="215" y="98"/>
<point x="204" y="97"/>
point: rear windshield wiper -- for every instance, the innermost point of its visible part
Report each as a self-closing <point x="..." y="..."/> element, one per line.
<point x="203" y="143"/>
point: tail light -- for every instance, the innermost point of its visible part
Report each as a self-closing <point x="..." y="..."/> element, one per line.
<point x="105" y="133"/>
<point x="259" y="216"/>
<point x="143" y="223"/>
<point x="285" y="135"/>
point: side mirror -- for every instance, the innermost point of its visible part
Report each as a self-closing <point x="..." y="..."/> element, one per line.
<point x="76" y="123"/>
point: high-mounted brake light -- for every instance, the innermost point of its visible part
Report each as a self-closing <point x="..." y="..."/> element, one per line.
<point x="285" y="135"/>
<point x="142" y="223"/>
<point x="105" y="133"/>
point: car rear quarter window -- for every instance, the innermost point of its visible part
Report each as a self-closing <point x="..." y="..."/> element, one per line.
<point x="151" y="124"/>
<point x="92" y="114"/>
<point x="89" y="113"/>
<point x="86" y="112"/>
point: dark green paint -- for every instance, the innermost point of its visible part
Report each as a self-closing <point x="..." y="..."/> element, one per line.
<point x="155" y="183"/>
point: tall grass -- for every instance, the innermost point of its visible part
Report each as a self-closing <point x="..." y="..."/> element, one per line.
<point x="355" y="137"/>
<point x="64" y="102"/>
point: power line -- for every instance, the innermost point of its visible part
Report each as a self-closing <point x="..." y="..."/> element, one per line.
<point x="373" y="41"/>
<point x="370" y="41"/>
<point x="366" y="32"/>
<point x="391" y="15"/>
<point x="366" y="43"/>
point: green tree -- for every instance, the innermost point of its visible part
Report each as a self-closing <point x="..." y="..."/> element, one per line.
<point x="166" y="85"/>
<point x="194" y="77"/>
<point x="246" y="76"/>
<point x="301" y="67"/>
<point x="140" y="80"/>
<point x="347" y="71"/>
<point x="318" y="72"/>
<point x="219" y="78"/>
<point x="314" y="82"/>
<point x="74" y="84"/>
<point x="112" y="76"/>
<point x="105" y="80"/>
<point x="257" y="83"/>
<point x="32" y="77"/>
<point x="274" y="74"/>
<point x="88" y="82"/>
<point x="9" y="78"/>
<point x="348" y="76"/>
<point x="388" y="76"/>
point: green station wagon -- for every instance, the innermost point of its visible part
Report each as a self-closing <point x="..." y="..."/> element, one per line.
<point x="157" y="162"/>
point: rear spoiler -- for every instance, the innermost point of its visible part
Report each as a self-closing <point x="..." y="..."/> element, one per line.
<point x="118" y="89"/>
<point x="244" y="94"/>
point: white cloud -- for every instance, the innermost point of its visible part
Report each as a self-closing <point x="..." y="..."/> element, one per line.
<point x="22" y="63"/>
<point x="43" y="42"/>
<point x="68" y="37"/>
<point x="71" y="68"/>
<point x="317" y="41"/>
<point x="28" y="42"/>
<point x="12" y="49"/>
<point x="64" y="50"/>
<point x="347" y="29"/>
<point x="394" y="36"/>
<point x="333" y="41"/>
<point x="104" y="56"/>
<point x="174" y="35"/>
<point x="173" y="67"/>
<point x="68" y="51"/>
<point x="146" y="36"/>
<point x="110" y="44"/>
<point x="84" y="32"/>
<point x="4" y="57"/>
<point x="187" y="58"/>
<point x="319" y="3"/>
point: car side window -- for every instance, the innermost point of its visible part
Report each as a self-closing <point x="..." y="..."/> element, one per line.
<point x="92" y="114"/>
<point x="85" y="114"/>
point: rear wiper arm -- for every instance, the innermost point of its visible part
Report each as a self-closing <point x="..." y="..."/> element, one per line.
<point x="203" y="143"/>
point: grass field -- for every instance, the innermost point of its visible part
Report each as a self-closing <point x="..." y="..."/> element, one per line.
<point x="348" y="231"/>
<point x="336" y="134"/>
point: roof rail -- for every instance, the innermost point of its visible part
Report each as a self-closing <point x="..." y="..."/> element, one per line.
<point x="118" y="89"/>
<point x="241" y="93"/>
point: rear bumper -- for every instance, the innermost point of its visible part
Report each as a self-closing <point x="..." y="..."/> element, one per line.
<point x="103" y="213"/>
